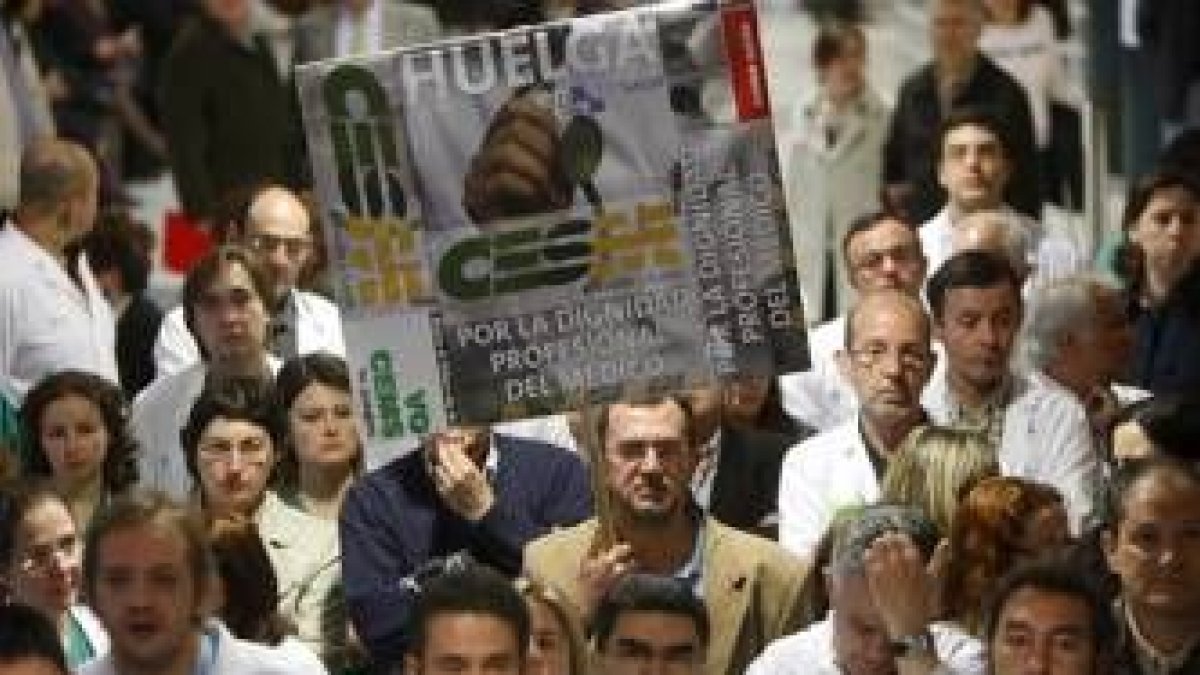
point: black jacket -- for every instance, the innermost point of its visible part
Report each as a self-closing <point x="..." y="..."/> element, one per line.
<point x="1166" y="351"/>
<point x="231" y="121"/>
<point x="911" y="152"/>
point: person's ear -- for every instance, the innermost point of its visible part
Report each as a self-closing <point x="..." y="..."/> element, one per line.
<point x="1108" y="544"/>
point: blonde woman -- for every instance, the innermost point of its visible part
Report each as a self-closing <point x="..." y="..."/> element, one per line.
<point x="555" y="638"/>
<point x="934" y="469"/>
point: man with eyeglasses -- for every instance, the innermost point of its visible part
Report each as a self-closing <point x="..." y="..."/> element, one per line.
<point x="647" y="522"/>
<point x="278" y="230"/>
<point x="225" y="303"/>
<point x="887" y="360"/>
<point x="880" y="252"/>
<point x="651" y="624"/>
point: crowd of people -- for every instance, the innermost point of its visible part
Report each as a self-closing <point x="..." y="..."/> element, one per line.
<point x="992" y="465"/>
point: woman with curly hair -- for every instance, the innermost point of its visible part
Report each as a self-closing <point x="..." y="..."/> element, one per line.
<point x="78" y="435"/>
<point x="1002" y="521"/>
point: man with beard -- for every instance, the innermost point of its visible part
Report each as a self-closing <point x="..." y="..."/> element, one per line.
<point x="887" y="360"/>
<point x="650" y="523"/>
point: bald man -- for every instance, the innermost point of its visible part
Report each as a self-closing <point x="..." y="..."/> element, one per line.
<point x="887" y="358"/>
<point x="278" y="229"/>
<point x="52" y="313"/>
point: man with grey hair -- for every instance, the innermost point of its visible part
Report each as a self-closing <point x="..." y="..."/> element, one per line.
<point x="1037" y="255"/>
<point x="882" y="603"/>
<point x="1078" y="335"/>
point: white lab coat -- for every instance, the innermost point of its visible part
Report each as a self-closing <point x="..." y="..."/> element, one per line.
<point x="238" y="657"/>
<point x="1046" y="438"/>
<point x="49" y="323"/>
<point x="820" y="476"/>
<point x="811" y="652"/>
<point x="159" y="413"/>
<point x="829" y="186"/>
<point x="820" y="397"/>
<point x="318" y="329"/>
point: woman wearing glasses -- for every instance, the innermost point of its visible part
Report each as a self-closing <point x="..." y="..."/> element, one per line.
<point x="231" y="446"/>
<point x="41" y="554"/>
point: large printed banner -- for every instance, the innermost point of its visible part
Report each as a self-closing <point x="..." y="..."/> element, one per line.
<point x="522" y="221"/>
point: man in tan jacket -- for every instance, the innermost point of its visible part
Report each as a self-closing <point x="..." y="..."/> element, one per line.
<point x="649" y="524"/>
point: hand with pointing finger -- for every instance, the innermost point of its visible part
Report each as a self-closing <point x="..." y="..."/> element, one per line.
<point x="599" y="573"/>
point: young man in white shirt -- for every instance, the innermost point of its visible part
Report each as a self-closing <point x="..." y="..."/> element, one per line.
<point x="52" y="313"/>
<point x="974" y="167"/>
<point x="278" y="230"/>
<point x="880" y="252"/>
<point x="887" y="359"/>
<point x="882" y="604"/>
<point x="225" y="303"/>
<point x="148" y="574"/>
<point x="1040" y="431"/>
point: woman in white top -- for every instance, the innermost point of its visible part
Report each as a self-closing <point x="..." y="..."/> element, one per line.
<point x="1020" y="37"/>
<point x="41" y="554"/>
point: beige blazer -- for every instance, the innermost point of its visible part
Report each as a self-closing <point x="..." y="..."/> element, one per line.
<point x="751" y="587"/>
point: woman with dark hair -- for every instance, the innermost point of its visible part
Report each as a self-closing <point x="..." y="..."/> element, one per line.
<point x="1158" y="262"/>
<point x="322" y="454"/>
<point x="41" y="557"/>
<point x="1002" y="521"/>
<point x="231" y="447"/>
<point x="78" y="436"/>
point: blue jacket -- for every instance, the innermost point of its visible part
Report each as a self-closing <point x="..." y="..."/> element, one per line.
<point x="1166" y="352"/>
<point x="393" y="522"/>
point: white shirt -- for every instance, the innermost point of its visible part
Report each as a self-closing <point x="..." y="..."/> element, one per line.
<point x="1030" y="53"/>
<point x="810" y="652"/>
<point x="820" y="397"/>
<point x="819" y="477"/>
<point x="48" y="322"/>
<point x="318" y="329"/>
<point x="158" y="414"/>
<point x="237" y="657"/>
<point x="1045" y="438"/>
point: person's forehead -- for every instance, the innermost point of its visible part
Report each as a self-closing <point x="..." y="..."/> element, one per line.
<point x="656" y="627"/>
<point x="142" y="546"/>
<point x="470" y="633"/>
<point x="970" y="134"/>
<point x="631" y="421"/>
<point x="49" y="518"/>
<point x="1162" y="496"/>
<point x="1001" y="295"/>
<point x="1046" y="611"/>
<point x="224" y="428"/>
<point x="889" y="319"/>
<point x="231" y="275"/>
<point x="887" y="233"/>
